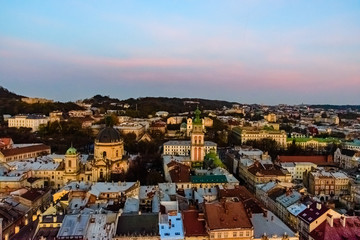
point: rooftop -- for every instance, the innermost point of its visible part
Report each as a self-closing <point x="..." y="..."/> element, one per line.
<point x="194" y="224"/>
<point x="226" y="215"/>
<point x="136" y="225"/>
<point x="74" y="226"/>
<point x="313" y="212"/>
<point x="351" y="231"/>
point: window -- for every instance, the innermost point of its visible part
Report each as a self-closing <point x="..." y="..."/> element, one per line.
<point x="219" y="235"/>
<point x="69" y="163"/>
<point x="234" y="234"/>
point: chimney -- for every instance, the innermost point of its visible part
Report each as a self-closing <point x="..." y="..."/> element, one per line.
<point x="343" y="220"/>
<point x="330" y="220"/>
<point x="265" y="214"/>
<point x="318" y="206"/>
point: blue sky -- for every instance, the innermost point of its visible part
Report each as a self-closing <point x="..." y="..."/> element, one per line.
<point x="247" y="51"/>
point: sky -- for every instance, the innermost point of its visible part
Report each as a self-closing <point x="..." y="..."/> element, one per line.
<point x="248" y="51"/>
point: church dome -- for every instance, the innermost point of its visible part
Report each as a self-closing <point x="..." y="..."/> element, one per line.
<point x="71" y="151"/>
<point x="108" y="135"/>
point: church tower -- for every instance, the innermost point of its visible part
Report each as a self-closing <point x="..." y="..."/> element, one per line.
<point x="72" y="165"/>
<point x="197" y="138"/>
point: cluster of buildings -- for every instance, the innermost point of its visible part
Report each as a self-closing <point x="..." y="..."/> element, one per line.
<point x="241" y="194"/>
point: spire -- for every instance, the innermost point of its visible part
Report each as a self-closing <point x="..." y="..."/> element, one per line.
<point x="197" y="119"/>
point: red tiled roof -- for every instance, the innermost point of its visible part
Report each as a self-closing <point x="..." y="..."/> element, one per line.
<point x="226" y="215"/>
<point x="193" y="224"/>
<point x="5" y="142"/>
<point x="351" y="231"/>
<point x="319" y="160"/>
<point x="22" y="150"/>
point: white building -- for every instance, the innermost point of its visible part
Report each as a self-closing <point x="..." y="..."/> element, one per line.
<point x="347" y="158"/>
<point x="297" y="169"/>
<point x="28" y="121"/>
<point x="182" y="148"/>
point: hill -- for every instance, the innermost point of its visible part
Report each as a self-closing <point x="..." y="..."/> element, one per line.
<point x="142" y="107"/>
<point x="4" y="93"/>
<point x="10" y="103"/>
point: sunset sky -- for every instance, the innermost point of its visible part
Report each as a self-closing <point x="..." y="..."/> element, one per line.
<point x="251" y="51"/>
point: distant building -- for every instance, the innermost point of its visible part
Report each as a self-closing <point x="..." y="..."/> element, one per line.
<point x="312" y="143"/>
<point x="36" y="100"/>
<point x="326" y="185"/>
<point x="80" y="113"/>
<point x="28" y="121"/>
<point x="347" y="158"/>
<point x="161" y="114"/>
<point x="278" y="136"/>
<point x="271" y="117"/>
<point x="297" y="169"/>
<point x="24" y="151"/>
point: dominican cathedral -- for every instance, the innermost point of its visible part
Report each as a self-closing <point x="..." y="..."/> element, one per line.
<point x="107" y="163"/>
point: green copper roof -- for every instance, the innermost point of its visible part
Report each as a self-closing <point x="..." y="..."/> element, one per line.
<point x="197" y="119"/>
<point x="71" y="151"/>
<point x="209" y="179"/>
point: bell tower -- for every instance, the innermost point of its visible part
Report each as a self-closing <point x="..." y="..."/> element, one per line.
<point x="197" y="138"/>
<point x="72" y="164"/>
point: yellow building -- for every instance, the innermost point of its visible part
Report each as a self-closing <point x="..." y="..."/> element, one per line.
<point x="271" y="117"/>
<point x="278" y="136"/>
<point x="28" y="121"/>
<point x="108" y="155"/>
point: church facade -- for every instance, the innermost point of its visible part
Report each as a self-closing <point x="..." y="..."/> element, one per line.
<point x="108" y="159"/>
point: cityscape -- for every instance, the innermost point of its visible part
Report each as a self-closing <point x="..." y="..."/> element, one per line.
<point x="180" y="120"/>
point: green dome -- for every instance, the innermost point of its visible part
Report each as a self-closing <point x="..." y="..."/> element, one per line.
<point x="71" y="151"/>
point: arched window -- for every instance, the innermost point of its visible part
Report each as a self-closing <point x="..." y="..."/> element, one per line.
<point x="104" y="154"/>
<point x="117" y="153"/>
<point x="69" y="163"/>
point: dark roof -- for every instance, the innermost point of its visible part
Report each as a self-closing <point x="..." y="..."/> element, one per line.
<point x="313" y="212"/>
<point x="32" y="179"/>
<point x="319" y="160"/>
<point x="226" y="215"/>
<point x="348" y="152"/>
<point x="276" y="192"/>
<point x="179" y="172"/>
<point x="108" y="135"/>
<point x="265" y="169"/>
<point x="135" y="225"/>
<point x="194" y="224"/>
<point x="22" y="150"/>
<point x="351" y="231"/>
<point x="248" y="199"/>
<point x="209" y="179"/>
<point x="47" y="232"/>
<point x="34" y="194"/>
